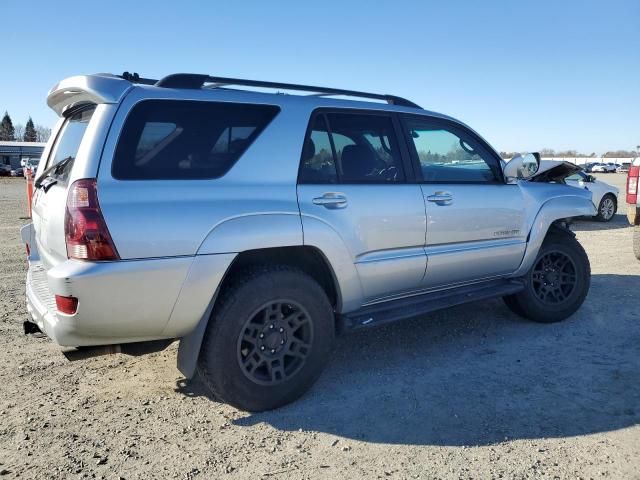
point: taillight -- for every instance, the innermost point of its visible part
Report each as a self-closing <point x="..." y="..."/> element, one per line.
<point x="28" y="249"/>
<point x="85" y="230"/>
<point x="632" y="185"/>
<point x="67" y="305"/>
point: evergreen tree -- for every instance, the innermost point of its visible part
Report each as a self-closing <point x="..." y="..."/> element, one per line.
<point x="30" y="134"/>
<point x="7" y="132"/>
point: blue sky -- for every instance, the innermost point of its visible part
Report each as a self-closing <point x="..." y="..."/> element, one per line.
<point x="525" y="74"/>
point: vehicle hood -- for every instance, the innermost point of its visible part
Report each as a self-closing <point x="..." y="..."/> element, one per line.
<point x="554" y="171"/>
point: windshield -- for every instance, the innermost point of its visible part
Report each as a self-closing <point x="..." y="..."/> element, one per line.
<point x="576" y="177"/>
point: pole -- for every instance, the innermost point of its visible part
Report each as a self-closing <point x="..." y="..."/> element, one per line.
<point x="29" y="190"/>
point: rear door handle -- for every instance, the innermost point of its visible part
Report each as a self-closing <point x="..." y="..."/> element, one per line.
<point x="441" y="198"/>
<point x="331" y="200"/>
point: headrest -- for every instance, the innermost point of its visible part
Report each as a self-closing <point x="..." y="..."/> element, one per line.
<point x="357" y="162"/>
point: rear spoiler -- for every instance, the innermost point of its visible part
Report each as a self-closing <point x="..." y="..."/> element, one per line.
<point x="83" y="89"/>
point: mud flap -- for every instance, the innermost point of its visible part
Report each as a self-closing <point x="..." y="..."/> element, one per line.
<point x="189" y="347"/>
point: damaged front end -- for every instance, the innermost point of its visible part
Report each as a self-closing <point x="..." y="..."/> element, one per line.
<point x="554" y="171"/>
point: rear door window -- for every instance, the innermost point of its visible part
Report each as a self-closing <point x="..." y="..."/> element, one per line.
<point x="351" y="148"/>
<point x="168" y="139"/>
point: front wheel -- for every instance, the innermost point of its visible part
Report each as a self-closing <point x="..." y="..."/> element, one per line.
<point x="268" y="339"/>
<point x="606" y="208"/>
<point x="558" y="282"/>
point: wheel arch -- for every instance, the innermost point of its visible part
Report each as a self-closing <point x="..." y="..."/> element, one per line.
<point x="554" y="212"/>
<point x="308" y="259"/>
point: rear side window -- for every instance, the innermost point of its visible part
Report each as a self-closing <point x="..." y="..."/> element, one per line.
<point x="173" y="140"/>
<point x="351" y="148"/>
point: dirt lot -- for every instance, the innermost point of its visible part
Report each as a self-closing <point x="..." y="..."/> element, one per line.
<point x="472" y="392"/>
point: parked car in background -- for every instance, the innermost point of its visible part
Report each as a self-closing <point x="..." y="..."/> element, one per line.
<point x="17" y="172"/>
<point x="604" y="196"/>
<point x="587" y="167"/>
<point x="5" y="170"/>
<point x="31" y="164"/>
<point x="255" y="227"/>
<point x="604" y="168"/>
<point x="624" y="167"/>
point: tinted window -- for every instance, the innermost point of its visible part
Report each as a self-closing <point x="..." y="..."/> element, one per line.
<point x="449" y="156"/>
<point x="70" y="137"/>
<point x="318" y="165"/>
<point x="165" y="139"/>
<point x="351" y="148"/>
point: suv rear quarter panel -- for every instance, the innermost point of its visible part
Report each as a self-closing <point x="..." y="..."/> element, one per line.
<point x="166" y="218"/>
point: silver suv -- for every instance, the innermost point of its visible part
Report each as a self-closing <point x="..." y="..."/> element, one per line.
<point x="255" y="226"/>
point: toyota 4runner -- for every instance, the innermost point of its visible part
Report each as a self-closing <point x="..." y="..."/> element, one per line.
<point x="255" y="226"/>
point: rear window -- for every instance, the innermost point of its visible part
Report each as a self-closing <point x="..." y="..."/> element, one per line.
<point x="68" y="142"/>
<point x="172" y="140"/>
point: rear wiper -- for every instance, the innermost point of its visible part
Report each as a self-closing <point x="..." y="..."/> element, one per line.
<point x="53" y="169"/>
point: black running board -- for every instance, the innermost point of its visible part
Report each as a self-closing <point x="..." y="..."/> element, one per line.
<point x="409" y="307"/>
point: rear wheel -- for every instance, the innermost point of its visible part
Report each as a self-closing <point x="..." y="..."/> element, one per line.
<point x="558" y="282"/>
<point x="607" y="208"/>
<point x="268" y="339"/>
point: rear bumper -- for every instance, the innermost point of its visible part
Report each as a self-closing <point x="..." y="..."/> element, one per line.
<point x="41" y="303"/>
<point x="125" y="301"/>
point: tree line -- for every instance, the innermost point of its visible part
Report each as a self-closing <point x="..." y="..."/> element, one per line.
<point x="550" y="152"/>
<point x="22" y="133"/>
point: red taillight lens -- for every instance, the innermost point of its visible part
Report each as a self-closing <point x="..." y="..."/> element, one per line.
<point x="632" y="185"/>
<point x="28" y="249"/>
<point x="85" y="230"/>
<point x="67" y="305"/>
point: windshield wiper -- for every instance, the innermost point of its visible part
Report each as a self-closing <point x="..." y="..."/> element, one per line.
<point x="53" y="169"/>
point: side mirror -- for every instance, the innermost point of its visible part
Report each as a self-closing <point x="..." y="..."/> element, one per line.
<point x="522" y="166"/>
<point x="591" y="178"/>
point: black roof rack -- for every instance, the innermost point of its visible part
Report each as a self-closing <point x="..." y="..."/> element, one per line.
<point x="193" y="80"/>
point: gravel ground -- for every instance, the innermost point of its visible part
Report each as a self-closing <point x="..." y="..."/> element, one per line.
<point x="471" y="392"/>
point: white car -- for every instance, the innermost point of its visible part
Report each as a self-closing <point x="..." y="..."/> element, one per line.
<point x="604" y="196"/>
<point x="604" y="168"/>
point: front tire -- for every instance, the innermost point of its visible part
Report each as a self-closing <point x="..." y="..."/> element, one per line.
<point x="607" y="208"/>
<point x="558" y="282"/>
<point x="267" y="340"/>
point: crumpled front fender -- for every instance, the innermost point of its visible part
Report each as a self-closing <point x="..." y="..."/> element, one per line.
<point x="554" y="209"/>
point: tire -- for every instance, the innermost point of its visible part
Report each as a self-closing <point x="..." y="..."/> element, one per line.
<point x="607" y="208"/>
<point x="636" y="241"/>
<point x="253" y="366"/>
<point x="557" y="283"/>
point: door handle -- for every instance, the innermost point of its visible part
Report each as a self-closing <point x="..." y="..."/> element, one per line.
<point x="441" y="198"/>
<point x="331" y="200"/>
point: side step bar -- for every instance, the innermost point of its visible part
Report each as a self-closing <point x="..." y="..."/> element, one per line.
<point x="413" y="306"/>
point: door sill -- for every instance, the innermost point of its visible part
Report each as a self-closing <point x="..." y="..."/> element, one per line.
<point x="409" y="307"/>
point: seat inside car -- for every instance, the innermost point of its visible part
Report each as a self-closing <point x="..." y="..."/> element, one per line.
<point x="358" y="162"/>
